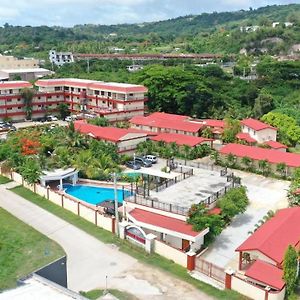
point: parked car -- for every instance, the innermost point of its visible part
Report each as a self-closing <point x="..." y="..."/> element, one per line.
<point x="52" y="118"/>
<point x="143" y="162"/>
<point x="151" y="158"/>
<point x="132" y="165"/>
<point x="70" y="118"/>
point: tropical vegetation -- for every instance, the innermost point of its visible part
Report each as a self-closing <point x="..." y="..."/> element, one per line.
<point x="169" y="150"/>
<point x="29" y="151"/>
<point x="234" y="202"/>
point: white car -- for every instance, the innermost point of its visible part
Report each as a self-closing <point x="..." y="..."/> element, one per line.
<point x="151" y="158"/>
<point x="52" y="118"/>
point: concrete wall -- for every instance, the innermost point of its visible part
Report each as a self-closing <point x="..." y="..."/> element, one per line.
<point x="250" y="290"/>
<point x="258" y="255"/>
<point x="170" y="253"/>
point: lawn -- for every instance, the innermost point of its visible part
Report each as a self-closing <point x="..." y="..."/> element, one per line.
<point x="96" y="294"/>
<point x="22" y="250"/>
<point x="125" y="246"/>
<point x="4" y="179"/>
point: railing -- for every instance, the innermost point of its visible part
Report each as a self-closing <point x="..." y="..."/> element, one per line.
<point x="198" y="165"/>
<point x="149" y="202"/>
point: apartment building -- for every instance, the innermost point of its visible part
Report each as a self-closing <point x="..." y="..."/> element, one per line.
<point x="60" y="58"/>
<point x="11" y="62"/>
<point x="115" y="101"/>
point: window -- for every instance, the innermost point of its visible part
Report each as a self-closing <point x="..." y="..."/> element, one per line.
<point x="72" y="89"/>
<point x="96" y="92"/>
<point x="10" y="91"/>
<point x="57" y="88"/>
<point x="109" y="94"/>
<point x="102" y="93"/>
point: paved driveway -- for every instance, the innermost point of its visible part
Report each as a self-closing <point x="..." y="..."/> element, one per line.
<point x="264" y="194"/>
<point x="89" y="260"/>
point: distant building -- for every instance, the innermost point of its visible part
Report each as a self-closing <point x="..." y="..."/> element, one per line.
<point x="11" y="62"/>
<point x="24" y="74"/>
<point x="115" y="101"/>
<point x="249" y="28"/>
<point x="60" y="58"/>
<point x="275" y="24"/>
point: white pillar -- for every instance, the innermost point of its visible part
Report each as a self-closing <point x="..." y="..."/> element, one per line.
<point x="60" y="184"/>
<point x="149" y="245"/>
<point x="122" y="228"/>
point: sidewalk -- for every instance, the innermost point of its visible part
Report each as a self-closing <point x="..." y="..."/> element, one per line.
<point x="90" y="260"/>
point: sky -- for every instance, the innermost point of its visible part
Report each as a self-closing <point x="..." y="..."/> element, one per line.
<point x="71" y="12"/>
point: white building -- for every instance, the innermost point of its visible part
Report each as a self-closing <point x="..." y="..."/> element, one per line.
<point x="60" y="58"/>
<point x="258" y="130"/>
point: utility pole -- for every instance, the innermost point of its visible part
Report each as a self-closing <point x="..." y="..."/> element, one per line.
<point x="88" y="66"/>
<point x="116" y="205"/>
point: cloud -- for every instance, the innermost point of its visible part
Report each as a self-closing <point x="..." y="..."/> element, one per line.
<point x="71" y="12"/>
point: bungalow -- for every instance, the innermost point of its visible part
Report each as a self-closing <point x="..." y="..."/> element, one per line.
<point x="274" y="157"/>
<point x="167" y="123"/>
<point x="126" y="140"/>
<point x="181" y="139"/>
<point x="276" y="146"/>
<point x="258" y="130"/>
<point x="261" y="256"/>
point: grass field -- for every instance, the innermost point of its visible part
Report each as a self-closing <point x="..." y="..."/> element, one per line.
<point x="4" y="179"/>
<point x="125" y="246"/>
<point x="22" y="250"/>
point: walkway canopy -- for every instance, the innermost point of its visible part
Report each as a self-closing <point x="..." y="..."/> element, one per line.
<point x="59" y="175"/>
<point x="155" y="173"/>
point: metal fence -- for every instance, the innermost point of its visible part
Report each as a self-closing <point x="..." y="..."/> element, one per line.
<point x="153" y="203"/>
<point x="211" y="270"/>
<point x="198" y="165"/>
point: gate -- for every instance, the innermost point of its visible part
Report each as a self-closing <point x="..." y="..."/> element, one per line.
<point x="210" y="270"/>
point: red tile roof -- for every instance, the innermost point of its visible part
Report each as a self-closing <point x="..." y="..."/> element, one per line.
<point x="245" y="137"/>
<point x="267" y="274"/>
<point x="111" y="134"/>
<point x="215" y="211"/>
<point x="15" y="84"/>
<point x="274" y="236"/>
<point x="256" y="125"/>
<point x="168" y="121"/>
<point x="109" y="86"/>
<point x="214" y="123"/>
<point x="180" y="139"/>
<point x="257" y="153"/>
<point x="158" y="220"/>
<point x="276" y="145"/>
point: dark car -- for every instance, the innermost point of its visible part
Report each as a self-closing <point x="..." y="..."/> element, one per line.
<point x="133" y="165"/>
<point x="143" y="162"/>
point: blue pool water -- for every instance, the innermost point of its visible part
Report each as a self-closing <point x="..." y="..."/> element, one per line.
<point x="94" y="194"/>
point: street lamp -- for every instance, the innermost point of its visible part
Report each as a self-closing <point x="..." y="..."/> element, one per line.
<point x="116" y="205"/>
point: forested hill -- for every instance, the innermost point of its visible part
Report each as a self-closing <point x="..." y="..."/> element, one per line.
<point x="214" y="32"/>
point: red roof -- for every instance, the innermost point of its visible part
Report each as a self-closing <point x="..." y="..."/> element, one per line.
<point x="267" y="274"/>
<point x="158" y="220"/>
<point x="276" y="145"/>
<point x="104" y="133"/>
<point x="168" y="121"/>
<point x="245" y="137"/>
<point x="215" y="211"/>
<point x="274" y="236"/>
<point x="257" y="153"/>
<point x="15" y="84"/>
<point x="256" y="125"/>
<point x="109" y="86"/>
<point x="180" y="139"/>
<point x="214" y="123"/>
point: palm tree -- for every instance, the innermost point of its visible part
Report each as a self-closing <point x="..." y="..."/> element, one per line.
<point x="215" y="156"/>
<point x="247" y="161"/>
<point x="230" y="160"/>
<point x="27" y="95"/>
<point x="264" y="166"/>
<point x="281" y="168"/>
<point x="186" y="152"/>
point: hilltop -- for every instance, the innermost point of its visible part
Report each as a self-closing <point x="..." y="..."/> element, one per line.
<point x="208" y="32"/>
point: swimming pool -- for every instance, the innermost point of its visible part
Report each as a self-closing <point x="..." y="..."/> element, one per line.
<point x="93" y="194"/>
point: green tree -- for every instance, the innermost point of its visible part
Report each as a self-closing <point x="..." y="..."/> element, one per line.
<point x="99" y="121"/>
<point x="63" y="110"/>
<point x="230" y="160"/>
<point x="27" y="95"/>
<point x="232" y="128"/>
<point x="264" y="166"/>
<point x="281" y="168"/>
<point x="263" y="104"/>
<point x="30" y="170"/>
<point x="290" y="266"/>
